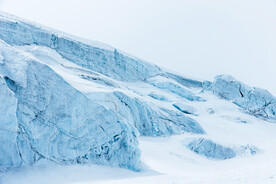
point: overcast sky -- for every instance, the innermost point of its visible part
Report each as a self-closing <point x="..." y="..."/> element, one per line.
<point x="197" y="38"/>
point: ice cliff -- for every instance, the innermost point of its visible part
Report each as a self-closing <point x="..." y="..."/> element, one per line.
<point x="70" y="101"/>
<point x="257" y="101"/>
<point x="45" y="114"/>
<point x="103" y="59"/>
<point x="43" y="117"/>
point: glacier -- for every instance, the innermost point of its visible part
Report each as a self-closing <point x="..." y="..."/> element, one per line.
<point x="66" y="100"/>
<point x="53" y="118"/>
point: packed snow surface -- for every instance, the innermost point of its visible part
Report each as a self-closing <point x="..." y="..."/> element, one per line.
<point x="68" y="106"/>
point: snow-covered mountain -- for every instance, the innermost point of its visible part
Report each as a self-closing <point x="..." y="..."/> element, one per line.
<point x="66" y="100"/>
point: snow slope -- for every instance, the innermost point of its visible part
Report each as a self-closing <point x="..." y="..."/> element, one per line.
<point x="67" y="102"/>
<point x="169" y="161"/>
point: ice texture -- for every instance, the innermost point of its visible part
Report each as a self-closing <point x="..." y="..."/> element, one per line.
<point x="257" y="101"/>
<point x="187" y="109"/>
<point x="212" y="150"/>
<point x="158" y="97"/>
<point x="9" y="154"/>
<point x="110" y="62"/>
<point x="188" y="82"/>
<point x="54" y="119"/>
<point x="151" y="120"/>
<point x="170" y="85"/>
<point x="43" y="117"/>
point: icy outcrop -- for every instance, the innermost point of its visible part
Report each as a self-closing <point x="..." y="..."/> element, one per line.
<point x="43" y="117"/>
<point x="187" y="109"/>
<point x="148" y="118"/>
<point x="103" y="59"/>
<point x="106" y="97"/>
<point x="229" y="88"/>
<point x="99" y="80"/>
<point x="168" y="84"/>
<point x="159" y="97"/>
<point x="212" y="150"/>
<point x="185" y="81"/>
<point x="254" y="100"/>
<point x="9" y="154"/>
<point x="153" y="121"/>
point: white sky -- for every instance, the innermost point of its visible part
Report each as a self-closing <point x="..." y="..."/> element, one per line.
<point x="197" y="38"/>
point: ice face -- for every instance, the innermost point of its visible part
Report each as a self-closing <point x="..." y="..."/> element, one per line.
<point x="9" y="155"/>
<point x="185" y="108"/>
<point x="109" y="61"/>
<point x="254" y="100"/>
<point x="158" y="97"/>
<point x="153" y="121"/>
<point x="229" y="88"/>
<point x="185" y="81"/>
<point x="162" y="82"/>
<point x="43" y="117"/>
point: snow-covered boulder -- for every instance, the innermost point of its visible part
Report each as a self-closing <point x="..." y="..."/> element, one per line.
<point x="43" y="117"/>
<point x="257" y="101"/>
<point x="212" y="150"/>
